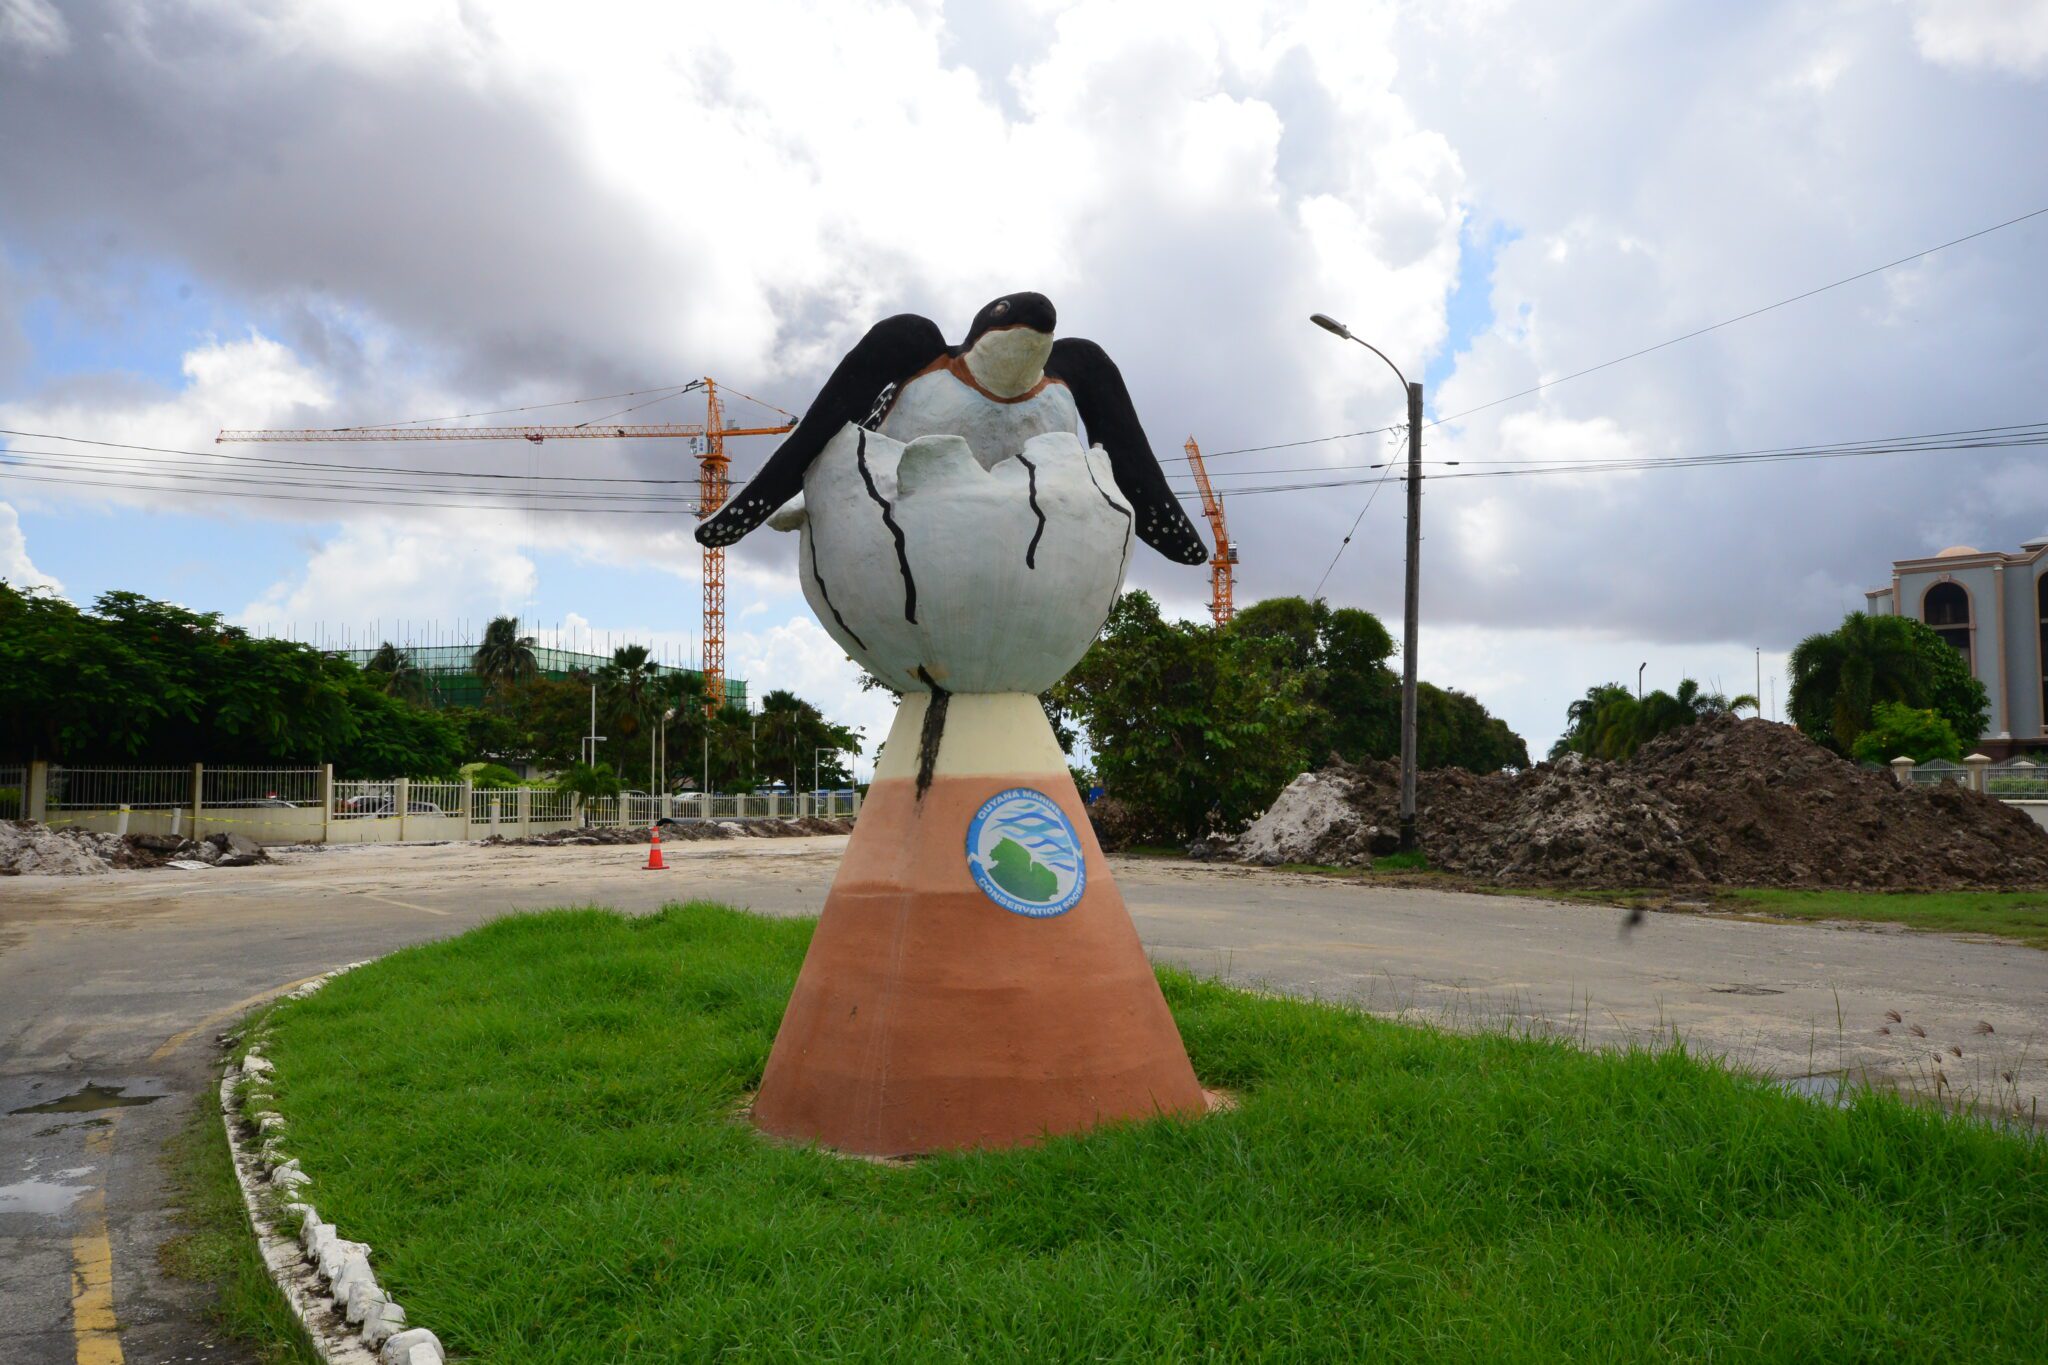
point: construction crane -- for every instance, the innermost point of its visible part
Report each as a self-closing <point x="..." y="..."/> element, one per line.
<point x="1223" y="563"/>
<point x="711" y="459"/>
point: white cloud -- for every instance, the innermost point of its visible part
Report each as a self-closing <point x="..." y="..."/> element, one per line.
<point x="2008" y="35"/>
<point x="15" y="566"/>
<point x="377" y="570"/>
<point x="34" y="27"/>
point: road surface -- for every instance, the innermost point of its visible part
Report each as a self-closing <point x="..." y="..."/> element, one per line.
<point x="120" y="982"/>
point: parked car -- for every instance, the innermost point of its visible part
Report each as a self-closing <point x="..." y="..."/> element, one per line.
<point x="362" y="807"/>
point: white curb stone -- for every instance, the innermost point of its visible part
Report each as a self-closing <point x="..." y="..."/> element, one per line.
<point x="414" y="1346"/>
<point x="381" y="1324"/>
<point x="349" y="1317"/>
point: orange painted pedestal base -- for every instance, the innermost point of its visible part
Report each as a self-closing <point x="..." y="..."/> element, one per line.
<point x="928" y="1016"/>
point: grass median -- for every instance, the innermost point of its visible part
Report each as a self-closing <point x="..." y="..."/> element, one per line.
<point x="533" y="1126"/>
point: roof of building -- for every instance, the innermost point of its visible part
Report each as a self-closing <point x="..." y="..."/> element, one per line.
<point x="2038" y="542"/>
<point x="1954" y="550"/>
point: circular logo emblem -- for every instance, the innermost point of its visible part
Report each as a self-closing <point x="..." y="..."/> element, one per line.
<point x="1024" y="854"/>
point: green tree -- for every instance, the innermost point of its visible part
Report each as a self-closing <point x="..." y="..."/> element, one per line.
<point x="1341" y="655"/>
<point x="505" y="657"/>
<point x="1839" y="676"/>
<point x="791" y="732"/>
<point x="1194" y="727"/>
<point x="1898" y="731"/>
<point x="1581" y="717"/>
<point x="396" y="674"/>
<point x="590" y="781"/>
<point x="1452" y="730"/>
<point x="629" y="689"/>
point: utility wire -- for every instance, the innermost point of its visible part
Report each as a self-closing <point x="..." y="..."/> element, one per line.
<point x="1345" y="544"/>
<point x="267" y="461"/>
<point x="530" y="407"/>
<point x="1744" y="317"/>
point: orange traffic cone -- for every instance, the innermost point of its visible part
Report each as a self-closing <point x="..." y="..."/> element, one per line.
<point x="654" y="862"/>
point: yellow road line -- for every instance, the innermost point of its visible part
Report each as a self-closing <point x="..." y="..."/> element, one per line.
<point x="93" y="1329"/>
<point x="178" y="1040"/>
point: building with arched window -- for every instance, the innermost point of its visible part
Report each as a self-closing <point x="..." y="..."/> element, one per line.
<point x="1993" y="607"/>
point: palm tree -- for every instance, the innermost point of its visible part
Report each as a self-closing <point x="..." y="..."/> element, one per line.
<point x="397" y="675"/>
<point x="632" y="697"/>
<point x="1581" y="716"/>
<point x="1839" y="675"/>
<point x="505" y="657"/>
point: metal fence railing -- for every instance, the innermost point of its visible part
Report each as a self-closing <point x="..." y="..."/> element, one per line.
<point x="111" y="788"/>
<point x="2018" y="779"/>
<point x="258" y="786"/>
<point x="308" y="804"/>
<point x="1939" y="770"/>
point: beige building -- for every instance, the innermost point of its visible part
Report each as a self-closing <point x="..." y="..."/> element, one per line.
<point x="1993" y="607"/>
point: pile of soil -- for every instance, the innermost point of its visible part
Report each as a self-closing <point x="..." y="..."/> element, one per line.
<point x="1733" y="802"/>
<point x="683" y="831"/>
<point x="28" y="848"/>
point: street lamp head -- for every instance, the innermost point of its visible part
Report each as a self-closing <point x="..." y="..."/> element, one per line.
<point x="1330" y="324"/>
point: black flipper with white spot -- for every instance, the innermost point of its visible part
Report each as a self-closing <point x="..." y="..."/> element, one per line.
<point x="1112" y="422"/>
<point x="893" y="350"/>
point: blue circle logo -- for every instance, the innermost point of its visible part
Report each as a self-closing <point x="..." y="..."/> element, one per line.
<point x="1024" y="854"/>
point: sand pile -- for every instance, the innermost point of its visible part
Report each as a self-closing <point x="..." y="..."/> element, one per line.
<point x="31" y="849"/>
<point x="1744" y="803"/>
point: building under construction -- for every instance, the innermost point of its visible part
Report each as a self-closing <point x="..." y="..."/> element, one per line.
<point x="448" y="678"/>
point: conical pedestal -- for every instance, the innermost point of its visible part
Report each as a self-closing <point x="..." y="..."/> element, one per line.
<point x="975" y="980"/>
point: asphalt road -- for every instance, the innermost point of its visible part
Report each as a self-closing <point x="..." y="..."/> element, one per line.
<point x="120" y="982"/>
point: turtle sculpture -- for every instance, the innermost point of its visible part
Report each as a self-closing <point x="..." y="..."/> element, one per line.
<point x="975" y="979"/>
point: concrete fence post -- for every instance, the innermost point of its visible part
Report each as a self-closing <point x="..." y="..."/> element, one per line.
<point x="856" y="802"/>
<point x="121" y="823"/>
<point x="1902" y="769"/>
<point x="495" y="802"/>
<point x="774" y="805"/>
<point x="198" y="798"/>
<point x="1977" y="763"/>
<point x="401" y="797"/>
<point x="468" y="807"/>
<point x="525" y="811"/>
<point x="36" y="800"/>
<point x="326" y="803"/>
<point x="704" y="804"/>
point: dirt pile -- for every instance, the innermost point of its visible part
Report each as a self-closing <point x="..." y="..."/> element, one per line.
<point x="683" y="832"/>
<point x="31" y="849"/>
<point x="1740" y="803"/>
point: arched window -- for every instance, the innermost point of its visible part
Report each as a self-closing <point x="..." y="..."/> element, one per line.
<point x="1947" y="608"/>
<point x="2041" y="601"/>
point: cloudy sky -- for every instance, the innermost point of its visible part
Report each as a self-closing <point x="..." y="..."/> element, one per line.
<point x="312" y="213"/>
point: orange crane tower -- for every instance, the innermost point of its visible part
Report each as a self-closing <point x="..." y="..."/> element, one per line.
<point x="1223" y="563"/>
<point x="712" y="463"/>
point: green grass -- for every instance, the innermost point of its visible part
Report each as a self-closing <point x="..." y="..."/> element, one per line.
<point x="214" y="1245"/>
<point x="532" y="1124"/>
<point x="2021" y="915"/>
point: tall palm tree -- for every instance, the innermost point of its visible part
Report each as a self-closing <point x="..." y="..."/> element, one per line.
<point x="397" y="675"/>
<point x="1582" y="715"/>
<point x="632" y="696"/>
<point x="1839" y="675"/>
<point x="505" y="657"/>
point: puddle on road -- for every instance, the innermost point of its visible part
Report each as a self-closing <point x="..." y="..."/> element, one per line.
<point x="88" y="1100"/>
<point x="39" y="1196"/>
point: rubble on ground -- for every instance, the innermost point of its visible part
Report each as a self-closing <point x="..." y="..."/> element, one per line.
<point x="29" y="848"/>
<point x="1734" y="802"/>
<point x="682" y="831"/>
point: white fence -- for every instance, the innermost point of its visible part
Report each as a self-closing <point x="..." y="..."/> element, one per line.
<point x="639" y="808"/>
<point x="309" y="805"/>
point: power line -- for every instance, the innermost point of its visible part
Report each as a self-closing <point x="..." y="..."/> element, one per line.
<point x="268" y="461"/>
<point x="131" y="487"/>
<point x="1744" y="317"/>
<point x="530" y="407"/>
<point x="1346" y="542"/>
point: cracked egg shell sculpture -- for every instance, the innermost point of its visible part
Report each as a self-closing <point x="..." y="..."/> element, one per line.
<point x="932" y="570"/>
<point x="974" y="979"/>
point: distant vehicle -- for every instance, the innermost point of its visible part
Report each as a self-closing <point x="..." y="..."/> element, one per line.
<point x="363" y="807"/>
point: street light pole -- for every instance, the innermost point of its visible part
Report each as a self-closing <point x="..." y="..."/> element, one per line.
<point x="1411" y="604"/>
